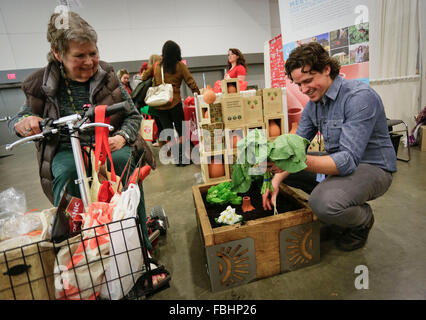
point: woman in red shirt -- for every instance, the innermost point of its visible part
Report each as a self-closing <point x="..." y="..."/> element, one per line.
<point x="237" y="67"/>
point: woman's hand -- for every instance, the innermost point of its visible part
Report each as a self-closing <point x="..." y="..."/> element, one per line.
<point x="116" y="143"/>
<point x="28" y="126"/>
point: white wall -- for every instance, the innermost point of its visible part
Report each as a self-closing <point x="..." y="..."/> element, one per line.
<point x="135" y="29"/>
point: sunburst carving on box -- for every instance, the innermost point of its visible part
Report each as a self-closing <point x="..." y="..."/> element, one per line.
<point x="233" y="266"/>
<point x="299" y="247"/>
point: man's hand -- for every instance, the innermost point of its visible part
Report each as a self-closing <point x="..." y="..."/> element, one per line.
<point x="116" y="143"/>
<point x="28" y="126"/>
<point x="271" y="167"/>
<point x="269" y="199"/>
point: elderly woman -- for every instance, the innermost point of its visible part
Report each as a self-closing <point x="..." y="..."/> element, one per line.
<point x="74" y="76"/>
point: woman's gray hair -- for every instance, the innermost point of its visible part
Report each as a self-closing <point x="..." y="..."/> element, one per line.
<point x="75" y="29"/>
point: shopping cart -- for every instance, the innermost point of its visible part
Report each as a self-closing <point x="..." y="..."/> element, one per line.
<point x="106" y="261"/>
<point x="35" y="271"/>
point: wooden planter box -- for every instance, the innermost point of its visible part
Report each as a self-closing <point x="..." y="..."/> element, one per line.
<point x="260" y="248"/>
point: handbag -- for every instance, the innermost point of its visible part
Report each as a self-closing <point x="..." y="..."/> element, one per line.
<point x="160" y="95"/>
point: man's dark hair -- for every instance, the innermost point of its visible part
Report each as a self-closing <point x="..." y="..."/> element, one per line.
<point x="311" y="55"/>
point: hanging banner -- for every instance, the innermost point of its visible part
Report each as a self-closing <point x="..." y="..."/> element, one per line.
<point x="341" y="27"/>
<point x="277" y="62"/>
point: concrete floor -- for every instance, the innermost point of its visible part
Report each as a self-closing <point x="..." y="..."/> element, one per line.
<point x="395" y="253"/>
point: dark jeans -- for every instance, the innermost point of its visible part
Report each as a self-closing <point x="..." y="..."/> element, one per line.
<point x="342" y="201"/>
<point x="174" y="115"/>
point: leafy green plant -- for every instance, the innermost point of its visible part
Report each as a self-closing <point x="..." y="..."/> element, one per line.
<point x="286" y="151"/>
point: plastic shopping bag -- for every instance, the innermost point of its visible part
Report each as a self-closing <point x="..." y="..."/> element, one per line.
<point x="149" y="130"/>
<point x="79" y="266"/>
<point x="126" y="261"/>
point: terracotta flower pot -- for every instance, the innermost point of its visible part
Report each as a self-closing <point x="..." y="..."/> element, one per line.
<point x="294" y="115"/>
<point x="247" y="206"/>
<point x="209" y="96"/>
<point x="294" y="126"/>
<point x="274" y="129"/>
<point x="216" y="170"/>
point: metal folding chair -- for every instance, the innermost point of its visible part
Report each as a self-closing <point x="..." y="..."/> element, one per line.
<point x="394" y="122"/>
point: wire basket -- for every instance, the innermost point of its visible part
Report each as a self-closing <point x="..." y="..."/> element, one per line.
<point x="107" y="261"/>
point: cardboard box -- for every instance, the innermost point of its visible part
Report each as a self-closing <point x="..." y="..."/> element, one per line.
<point x="260" y="126"/>
<point x="212" y="137"/>
<point x="229" y="84"/>
<point x="27" y="272"/>
<point x="232" y="136"/>
<point x="215" y="113"/>
<point x="272" y="101"/>
<point x="233" y="111"/>
<point x="279" y="120"/>
<point x="211" y="159"/>
<point x="423" y="138"/>
<point x="253" y="109"/>
<point x="204" y="114"/>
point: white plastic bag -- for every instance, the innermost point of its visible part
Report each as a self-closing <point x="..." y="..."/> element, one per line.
<point x="125" y="255"/>
<point x="12" y="203"/>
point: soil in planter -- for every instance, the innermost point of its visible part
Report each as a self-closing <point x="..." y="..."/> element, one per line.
<point x="285" y="203"/>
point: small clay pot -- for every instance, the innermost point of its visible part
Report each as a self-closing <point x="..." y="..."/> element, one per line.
<point x="294" y="126"/>
<point x="246" y="206"/>
<point x="294" y="114"/>
<point x="216" y="170"/>
<point x="274" y="129"/>
<point x="232" y="88"/>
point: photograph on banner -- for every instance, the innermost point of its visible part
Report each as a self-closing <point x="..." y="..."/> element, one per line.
<point x="324" y="40"/>
<point x="359" y="33"/>
<point x="359" y="53"/>
<point x="341" y="55"/>
<point x="339" y="38"/>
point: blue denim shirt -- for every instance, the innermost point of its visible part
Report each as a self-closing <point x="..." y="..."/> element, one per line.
<point x="352" y="120"/>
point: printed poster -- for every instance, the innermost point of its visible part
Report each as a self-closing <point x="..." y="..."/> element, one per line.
<point x="344" y="33"/>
